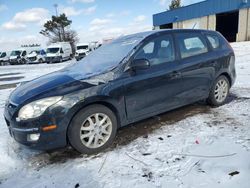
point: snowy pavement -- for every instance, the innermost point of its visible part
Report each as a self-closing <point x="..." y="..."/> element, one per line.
<point x="192" y="147"/>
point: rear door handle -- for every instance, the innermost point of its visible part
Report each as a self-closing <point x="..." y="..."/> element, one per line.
<point x="175" y="74"/>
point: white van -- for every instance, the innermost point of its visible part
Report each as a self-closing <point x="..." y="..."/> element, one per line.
<point x="94" y="45"/>
<point x="4" y="58"/>
<point x="18" y="56"/>
<point x="82" y="50"/>
<point x="58" y="52"/>
<point x="36" y="56"/>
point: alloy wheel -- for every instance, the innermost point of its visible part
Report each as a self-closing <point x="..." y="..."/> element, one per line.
<point x="96" y="130"/>
<point x="221" y="91"/>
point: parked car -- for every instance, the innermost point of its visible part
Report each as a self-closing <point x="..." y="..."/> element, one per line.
<point x="18" y="56"/>
<point x="58" y="52"/>
<point x="94" y="45"/>
<point x="132" y="78"/>
<point x="36" y="56"/>
<point x="4" y="58"/>
<point x="82" y="50"/>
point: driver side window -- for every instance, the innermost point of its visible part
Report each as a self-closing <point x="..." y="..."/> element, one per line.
<point x="158" y="51"/>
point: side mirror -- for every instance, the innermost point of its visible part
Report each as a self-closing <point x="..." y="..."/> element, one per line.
<point x="139" y="64"/>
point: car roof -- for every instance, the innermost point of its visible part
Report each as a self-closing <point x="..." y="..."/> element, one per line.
<point x="82" y="44"/>
<point x="149" y="33"/>
<point x="55" y="46"/>
<point x="19" y="49"/>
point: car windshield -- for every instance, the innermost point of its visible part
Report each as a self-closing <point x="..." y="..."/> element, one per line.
<point x="52" y="50"/>
<point x="107" y="56"/>
<point x="82" y="47"/>
<point x="15" y="53"/>
<point x="2" y="54"/>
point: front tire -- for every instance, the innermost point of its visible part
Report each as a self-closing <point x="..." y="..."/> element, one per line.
<point x="219" y="91"/>
<point x="61" y="60"/>
<point x="93" y="129"/>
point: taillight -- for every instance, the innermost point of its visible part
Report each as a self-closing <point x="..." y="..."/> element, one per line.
<point x="232" y="60"/>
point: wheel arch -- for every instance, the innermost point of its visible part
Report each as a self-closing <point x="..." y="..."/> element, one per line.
<point x="105" y="103"/>
<point x="109" y="106"/>
<point x="227" y="76"/>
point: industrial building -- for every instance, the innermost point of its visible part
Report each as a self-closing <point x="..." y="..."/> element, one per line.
<point x="229" y="17"/>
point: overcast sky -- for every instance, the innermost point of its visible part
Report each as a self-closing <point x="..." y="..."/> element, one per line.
<point x="21" y="20"/>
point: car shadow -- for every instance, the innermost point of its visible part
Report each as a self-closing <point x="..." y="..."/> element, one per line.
<point x="125" y="135"/>
<point x="128" y="134"/>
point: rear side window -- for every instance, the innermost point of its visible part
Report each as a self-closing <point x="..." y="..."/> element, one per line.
<point x="191" y="45"/>
<point x="214" y="41"/>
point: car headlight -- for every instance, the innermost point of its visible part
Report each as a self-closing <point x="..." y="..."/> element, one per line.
<point x="36" y="108"/>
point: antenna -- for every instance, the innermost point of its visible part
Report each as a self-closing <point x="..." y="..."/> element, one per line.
<point x="194" y="25"/>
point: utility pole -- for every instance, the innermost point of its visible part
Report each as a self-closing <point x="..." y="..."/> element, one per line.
<point x="60" y="34"/>
<point x="56" y="5"/>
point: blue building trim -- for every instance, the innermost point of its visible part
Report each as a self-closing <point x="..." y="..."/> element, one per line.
<point x="204" y="8"/>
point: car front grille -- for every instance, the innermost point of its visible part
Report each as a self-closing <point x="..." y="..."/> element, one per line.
<point x="32" y="58"/>
<point x="50" y="58"/>
<point x="82" y="54"/>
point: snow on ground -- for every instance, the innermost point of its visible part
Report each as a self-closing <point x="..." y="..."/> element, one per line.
<point x="192" y="147"/>
<point x="27" y="72"/>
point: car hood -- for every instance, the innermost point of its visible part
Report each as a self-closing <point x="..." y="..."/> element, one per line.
<point x="57" y="84"/>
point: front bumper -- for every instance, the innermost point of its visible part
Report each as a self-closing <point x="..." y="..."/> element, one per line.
<point x="53" y="59"/>
<point x="80" y="56"/>
<point x="32" y="60"/>
<point x="15" y="61"/>
<point x="48" y="140"/>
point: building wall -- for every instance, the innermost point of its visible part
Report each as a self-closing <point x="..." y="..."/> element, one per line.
<point x="206" y="22"/>
<point x="198" y="10"/>
<point x="244" y="25"/>
<point x="209" y="22"/>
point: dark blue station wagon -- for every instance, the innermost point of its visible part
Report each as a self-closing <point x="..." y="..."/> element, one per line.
<point x="132" y="78"/>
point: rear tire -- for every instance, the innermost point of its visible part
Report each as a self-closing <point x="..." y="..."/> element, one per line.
<point x="219" y="91"/>
<point x="93" y="129"/>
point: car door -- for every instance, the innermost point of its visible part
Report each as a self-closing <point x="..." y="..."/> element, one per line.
<point x="156" y="89"/>
<point x="196" y="66"/>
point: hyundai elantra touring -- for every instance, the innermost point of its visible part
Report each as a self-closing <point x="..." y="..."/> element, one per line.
<point x="130" y="79"/>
